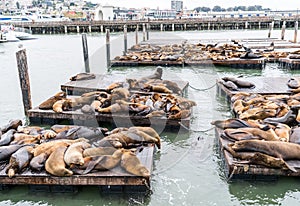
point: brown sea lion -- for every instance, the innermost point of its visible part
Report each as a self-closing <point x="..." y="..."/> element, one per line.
<point x="13" y="124"/>
<point x="31" y="130"/>
<point x="114" y="86"/>
<point x="239" y="106"/>
<point x="150" y="131"/>
<point x="59" y="128"/>
<point x="98" y="151"/>
<point x="258" y="113"/>
<point x="48" y="134"/>
<point x="237" y="135"/>
<point x="119" y="93"/>
<point x="157" y="88"/>
<point x="19" y="160"/>
<point x="48" y="104"/>
<point x="283" y="131"/>
<point x="180" y="115"/>
<point x="103" y="162"/>
<point x="73" y="154"/>
<point x="82" y="76"/>
<point x="157" y="74"/>
<point x="49" y="147"/>
<point x="283" y="150"/>
<point x="58" y="106"/>
<point x="20" y="138"/>
<point x="136" y="135"/>
<point x="55" y="163"/>
<point x="158" y="113"/>
<point x="268" y="134"/>
<point x="131" y="163"/>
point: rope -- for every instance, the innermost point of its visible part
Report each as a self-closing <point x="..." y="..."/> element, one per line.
<point x="202" y="89"/>
<point x="232" y="173"/>
<point x="191" y="130"/>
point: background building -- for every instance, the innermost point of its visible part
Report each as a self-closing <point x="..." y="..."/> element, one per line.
<point x="177" y="5"/>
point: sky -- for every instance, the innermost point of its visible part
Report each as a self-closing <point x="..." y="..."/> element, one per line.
<point x="190" y="4"/>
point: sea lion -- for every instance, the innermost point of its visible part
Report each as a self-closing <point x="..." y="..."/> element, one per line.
<point x="59" y="128"/>
<point x="13" y="124"/>
<point x="73" y="154"/>
<point x="104" y="162"/>
<point x="119" y="93"/>
<point x="7" y="137"/>
<point x="38" y="162"/>
<point x="283" y="150"/>
<point x="288" y="118"/>
<point x="19" y="160"/>
<point x="98" y="151"/>
<point x="87" y="109"/>
<point x="31" y="130"/>
<point x="258" y="113"/>
<point x="82" y="131"/>
<point x="49" y="147"/>
<point x="7" y="151"/>
<point x="135" y="135"/>
<point x="82" y="76"/>
<point x="157" y="75"/>
<point x="230" y="85"/>
<point x="283" y="131"/>
<point x="295" y="135"/>
<point x="20" y="138"/>
<point x="240" y="83"/>
<point x="58" y="106"/>
<point x="158" y="113"/>
<point x="293" y="83"/>
<point x="180" y="115"/>
<point x="260" y="159"/>
<point x="48" y="134"/>
<point x="230" y="123"/>
<point x="55" y="163"/>
<point x="250" y="55"/>
<point x="131" y="163"/>
<point x="48" y="104"/>
<point x="239" y="106"/>
<point x="268" y="134"/>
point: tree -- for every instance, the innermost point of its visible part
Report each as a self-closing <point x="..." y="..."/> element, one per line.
<point x="217" y="8"/>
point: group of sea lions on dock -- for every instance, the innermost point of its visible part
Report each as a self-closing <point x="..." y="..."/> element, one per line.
<point x="64" y="150"/>
<point x="161" y="99"/>
<point x="265" y="130"/>
<point x="193" y="52"/>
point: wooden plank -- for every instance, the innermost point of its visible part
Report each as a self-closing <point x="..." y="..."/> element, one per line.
<point x="120" y="119"/>
<point x="115" y="176"/>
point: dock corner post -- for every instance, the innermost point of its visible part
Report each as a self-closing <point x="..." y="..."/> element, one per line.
<point x="144" y="32"/>
<point x="296" y="32"/>
<point x="108" y="48"/>
<point x="283" y="30"/>
<point x="85" y="53"/>
<point x="147" y="33"/>
<point x="24" y="79"/>
<point x="137" y="35"/>
<point x="125" y="38"/>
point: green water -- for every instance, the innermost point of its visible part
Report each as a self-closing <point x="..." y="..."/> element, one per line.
<point x="188" y="169"/>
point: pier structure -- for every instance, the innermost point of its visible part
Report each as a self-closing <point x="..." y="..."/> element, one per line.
<point x="157" y="25"/>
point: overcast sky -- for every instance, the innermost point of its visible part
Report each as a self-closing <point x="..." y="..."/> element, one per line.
<point x="190" y="4"/>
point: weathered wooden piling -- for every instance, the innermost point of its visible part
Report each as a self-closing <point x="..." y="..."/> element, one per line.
<point x="270" y="29"/>
<point x="283" y="30"/>
<point x="107" y="48"/>
<point x="85" y="53"/>
<point x="24" y="79"/>
<point x="137" y="35"/>
<point x="147" y="31"/>
<point x="144" y="32"/>
<point x="296" y="32"/>
<point x="125" y="38"/>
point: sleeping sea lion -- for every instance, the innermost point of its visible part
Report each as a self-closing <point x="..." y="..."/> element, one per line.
<point x="82" y="76"/>
<point x="240" y="83"/>
<point x="295" y="135"/>
<point x="82" y="131"/>
<point x="230" y="123"/>
<point x="55" y="163"/>
<point x="7" y="151"/>
<point x="283" y="131"/>
<point x="180" y="115"/>
<point x="103" y="162"/>
<point x="73" y="154"/>
<point x="293" y="83"/>
<point x="26" y="139"/>
<point x="288" y="118"/>
<point x="230" y="85"/>
<point x="7" y="137"/>
<point x="150" y="131"/>
<point x="48" y="104"/>
<point x="131" y="163"/>
<point x="19" y="160"/>
<point x="136" y="136"/>
<point x="38" y="162"/>
<point x="98" y="151"/>
<point x="268" y="134"/>
<point x="283" y="150"/>
<point x="13" y="124"/>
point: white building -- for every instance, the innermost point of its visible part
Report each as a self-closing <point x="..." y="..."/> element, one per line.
<point x="104" y="12"/>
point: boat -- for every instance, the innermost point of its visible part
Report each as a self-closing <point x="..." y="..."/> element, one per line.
<point x="12" y="33"/>
<point x="12" y="19"/>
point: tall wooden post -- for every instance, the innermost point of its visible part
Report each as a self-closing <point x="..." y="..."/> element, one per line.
<point x="147" y="33"/>
<point x="85" y="54"/>
<point x="270" y="30"/>
<point x="137" y="35"/>
<point x="283" y="30"/>
<point x="296" y="32"/>
<point x="125" y="38"/>
<point x="24" y="79"/>
<point x="144" y="32"/>
<point x="107" y="48"/>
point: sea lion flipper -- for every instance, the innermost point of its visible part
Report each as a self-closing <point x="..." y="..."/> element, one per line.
<point x="290" y="167"/>
<point x="72" y="131"/>
<point x="92" y="165"/>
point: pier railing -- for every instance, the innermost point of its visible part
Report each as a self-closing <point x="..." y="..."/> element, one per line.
<point x="158" y="25"/>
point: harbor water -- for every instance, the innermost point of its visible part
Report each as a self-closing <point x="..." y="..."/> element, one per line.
<point x="187" y="169"/>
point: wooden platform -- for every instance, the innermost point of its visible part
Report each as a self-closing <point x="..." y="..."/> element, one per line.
<point x="101" y="82"/>
<point x="238" y="170"/>
<point x="115" y="177"/>
<point x="289" y="63"/>
<point x="38" y="116"/>
<point x="263" y="85"/>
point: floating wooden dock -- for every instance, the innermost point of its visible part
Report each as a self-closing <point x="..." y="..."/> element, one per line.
<point x="290" y="63"/>
<point x="239" y="170"/>
<point x="114" y="177"/>
<point x="263" y="85"/>
<point x="101" y="82"/>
